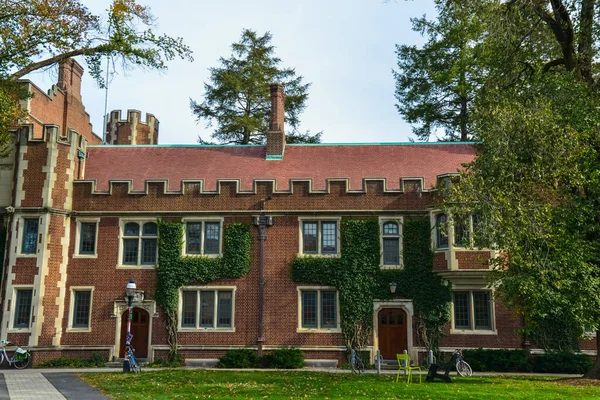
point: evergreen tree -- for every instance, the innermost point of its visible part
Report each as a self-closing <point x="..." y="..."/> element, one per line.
<point x="436" y="84"/>
<point x="237" y="99"/>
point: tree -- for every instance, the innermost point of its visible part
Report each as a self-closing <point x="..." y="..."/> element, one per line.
<point x="536" y="180"/>
<point x="436" y="84"/>
<point x="41" y="33"/>
<point x="237" y="99"/>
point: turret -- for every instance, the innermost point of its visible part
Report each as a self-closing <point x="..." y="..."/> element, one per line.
<point x="131" y="130"/>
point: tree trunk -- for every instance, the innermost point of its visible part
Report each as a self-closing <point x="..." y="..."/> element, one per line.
<point x="594" y="373"/>
<point x="586" y="40"/>
<point x="464" y="134"/>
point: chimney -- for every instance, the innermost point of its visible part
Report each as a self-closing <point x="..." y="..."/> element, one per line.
<point x="69" y="77"/>
<point x="276" y="134"/>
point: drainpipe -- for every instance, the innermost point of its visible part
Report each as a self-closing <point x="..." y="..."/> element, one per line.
<point x="262" y="222"/>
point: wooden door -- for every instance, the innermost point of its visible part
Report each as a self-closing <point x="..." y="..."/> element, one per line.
<point x="140" y="324"/>
<point x="392" y="332"/>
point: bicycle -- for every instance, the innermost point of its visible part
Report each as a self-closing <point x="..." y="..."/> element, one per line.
<point x="356" y="364"/>
<point x="462" y="367"/>
<point x="20" y="358"/>
<point x="130" y="357"/>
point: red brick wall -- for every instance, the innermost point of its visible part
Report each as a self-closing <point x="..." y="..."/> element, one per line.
<point x="473" y="259"/>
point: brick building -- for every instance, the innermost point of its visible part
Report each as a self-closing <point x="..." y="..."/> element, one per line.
<point x="80" y="218"/>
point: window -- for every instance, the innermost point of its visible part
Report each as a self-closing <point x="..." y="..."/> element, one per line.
<point x="139" y="243"/>
<point x="22" y="316"/>
<point x="319" y="237"/>
<point x="207" y="308"/>
<point x="461" y="232"/>
<point x="87" y="238"/>
<point x="30" y="236"/>
<point x="203" y="237"/>
<point x="318" y="309"/>
<point x="473" y="310"/>
<point x="82" y="304"/>
<point x="441" y="231"/>
<point x="391" y="243"/>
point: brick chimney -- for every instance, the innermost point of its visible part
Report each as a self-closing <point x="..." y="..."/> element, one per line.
<point x="69" y="77"/>
<point x="276" y="134"/>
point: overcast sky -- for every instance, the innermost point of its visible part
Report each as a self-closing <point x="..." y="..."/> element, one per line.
<point x="346" y="49"/>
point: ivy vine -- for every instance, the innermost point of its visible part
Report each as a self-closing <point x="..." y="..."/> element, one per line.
<point x="359" y="280"/>
<point x="174" y="270"/>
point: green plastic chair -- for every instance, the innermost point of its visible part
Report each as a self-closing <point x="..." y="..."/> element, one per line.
<point x="407" y="367"/>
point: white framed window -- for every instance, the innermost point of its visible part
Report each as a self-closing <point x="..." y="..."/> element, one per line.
<point x="319" y="236"/>
<point x="460" y="229"/>
<point x="207" y="308"/>
<point x="473" y="311"/>
<point x="21" y="308"/>
<point x="318" y="309"/>
<point x="138" y="243"/>
<point x="390" y="229"/>
<point x="86" y="239"/>
<point x="80" y="309"/>
<point x="30" y="227"/>
<point x="203" y="237"/>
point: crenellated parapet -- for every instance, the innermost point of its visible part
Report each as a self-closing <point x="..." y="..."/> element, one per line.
<point x="131" y="130"/>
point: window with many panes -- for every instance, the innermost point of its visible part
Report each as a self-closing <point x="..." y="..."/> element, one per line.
<point x="87" y="238"/>
<point x="206" y="308"/>
<point x="318" y="309"/>
<point x="203" y="237"/>
<point x="441" y="231"/>
<point x="139" y="243"/>
<point x="465" y="231"/>
<point x="22" y="317"/>
<point x="30" y="235"/>
<point x="472" y="310"/>
<point x="82" y="305"/>
<point x="320" y="237"/>
<point x="390" y="241"/>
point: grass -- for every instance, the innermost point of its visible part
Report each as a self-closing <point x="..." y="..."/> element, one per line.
<point x="199" y="384"/>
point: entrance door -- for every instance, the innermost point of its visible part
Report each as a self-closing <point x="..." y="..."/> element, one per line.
<point x="392" y="332"/>
<point x="140" y="323"/>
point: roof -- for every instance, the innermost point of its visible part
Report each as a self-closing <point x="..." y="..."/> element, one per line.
<point x="355" y="162"/>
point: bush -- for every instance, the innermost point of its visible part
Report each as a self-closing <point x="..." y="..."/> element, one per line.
<point x="284" y="359"/>
<point x="160" y="363"/>
<point x="239" y="358"/>
<point x="563" y="362"/>
<point x="497" y="360"/>
<point x="96" y="360"/>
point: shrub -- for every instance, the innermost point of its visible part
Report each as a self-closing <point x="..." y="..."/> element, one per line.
<point x="562" y="362"/>
<point x="284" y="359"/>
<point x="497" y="360"/>
<point x="96" y="360"/>
<point x="239" y="358"/>
<point x="160" y="363"/>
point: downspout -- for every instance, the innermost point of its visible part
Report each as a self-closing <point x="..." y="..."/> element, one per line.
<point x="262" y="222"/>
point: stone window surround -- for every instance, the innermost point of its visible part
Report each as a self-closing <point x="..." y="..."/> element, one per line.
<point x="72" y="291"/>
<point x="473" y="331"/>
<point x="21" y="231"/>
<point x="398" y="220"/>
<point x="301" y="329"/>
<point x="199" y="328"/>
<point x="203" y="220"/>
<point x="301" y="221"/>
<point x="13" y="309"/>
<point x="76" y="253"/>
<point x="141" y="221"/>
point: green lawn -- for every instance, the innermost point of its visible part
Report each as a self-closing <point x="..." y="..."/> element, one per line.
<point x="198" y="384"/>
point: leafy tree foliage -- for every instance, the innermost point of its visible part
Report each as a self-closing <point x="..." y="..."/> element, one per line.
<point x="436" y="84"/>
<point x="41" y="33"/>
<point x="536" y="180"/>
<point x="237" y="99"/>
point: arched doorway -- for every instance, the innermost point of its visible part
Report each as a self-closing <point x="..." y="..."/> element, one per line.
<point x="140" y="323"/>
<point x="392" y="328"/>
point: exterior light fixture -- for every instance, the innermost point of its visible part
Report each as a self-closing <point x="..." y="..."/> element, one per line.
<point x="393" y="287"/>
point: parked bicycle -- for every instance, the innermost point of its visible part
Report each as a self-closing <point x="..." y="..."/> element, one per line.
<point x="20" y="358"/>
<point x="462" y="367"/>
<point x="356" y="364"/>
<point x="130" y="357"/>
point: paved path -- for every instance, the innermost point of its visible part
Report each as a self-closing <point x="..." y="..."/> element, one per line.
<point x="35" y="385"/>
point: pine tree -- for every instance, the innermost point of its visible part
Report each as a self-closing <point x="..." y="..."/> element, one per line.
<point x="237" y="98"/>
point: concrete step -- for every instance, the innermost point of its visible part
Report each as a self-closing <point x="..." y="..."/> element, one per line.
<point x="119" y="362"/>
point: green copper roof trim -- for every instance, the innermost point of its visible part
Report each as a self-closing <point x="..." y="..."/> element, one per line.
<point x="274" y="157"/>
<point x="293" y="145"/>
